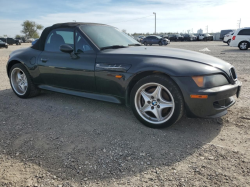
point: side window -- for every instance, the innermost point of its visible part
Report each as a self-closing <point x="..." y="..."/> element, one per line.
<point x="82" y="45"/>
<point x="244" y="32"/>
<point x="58" y="37"/>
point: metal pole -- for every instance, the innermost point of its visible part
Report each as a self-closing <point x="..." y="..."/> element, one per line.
<point x="240" y="22"/>
<point x="155" y="21"/>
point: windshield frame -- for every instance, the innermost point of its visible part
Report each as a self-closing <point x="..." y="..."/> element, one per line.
<point x="99" y="47"/>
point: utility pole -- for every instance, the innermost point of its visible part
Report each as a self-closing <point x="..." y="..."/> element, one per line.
<point x="239" y="22"/>
<point x="207" y="29"/>
<point x="155" y="21"/>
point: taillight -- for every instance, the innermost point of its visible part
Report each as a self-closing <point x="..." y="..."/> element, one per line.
<point x="233" y="38"/>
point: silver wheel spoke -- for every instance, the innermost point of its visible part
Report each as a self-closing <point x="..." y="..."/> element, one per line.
<point x="146" y="108"/>
<point x="157" y="92"/>
<point x="166" y="104"/>
<point x="145" y="96"/>
<point x="157" y="113"/>
<point x="19" y="76"/>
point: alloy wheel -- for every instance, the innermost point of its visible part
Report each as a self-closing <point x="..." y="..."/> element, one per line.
<point x="154" y="103"/>
<point x="243" y="45"/>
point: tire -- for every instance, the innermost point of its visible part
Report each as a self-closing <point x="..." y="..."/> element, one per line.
<point x="150" y="44"/>
<point x="145" y="43"/>
<point x="171" y="95"/>
<point x="160" y="43"/>
<point x="31" y="90"/>
<point x="228" y="42"/>
<point x="243" y="45"/>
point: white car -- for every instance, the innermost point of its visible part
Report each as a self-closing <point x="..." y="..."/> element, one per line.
<point x="227" y="37"/>
<point x="241" y="38"/>
<point x="206" y="37"/>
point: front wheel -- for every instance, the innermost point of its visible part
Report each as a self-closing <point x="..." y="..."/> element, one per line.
<point x="243" y="45"/>
<point x="157" y="101"/>
<point x="160" y="43"/>
<point x="145" y="43"/>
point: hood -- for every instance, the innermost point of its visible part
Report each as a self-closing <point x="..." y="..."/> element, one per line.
<point x="167" y="52"/>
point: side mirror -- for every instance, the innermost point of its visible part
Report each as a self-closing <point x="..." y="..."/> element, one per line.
<point x="66" y="48"/>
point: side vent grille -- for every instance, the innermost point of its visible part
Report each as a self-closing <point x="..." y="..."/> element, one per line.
<point x="233" y="73"/>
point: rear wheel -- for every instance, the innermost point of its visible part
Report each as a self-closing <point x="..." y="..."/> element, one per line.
<point x="21" y="82"/>
<point x="243" y="45"/>
<point x="157" y="101"/>
<point x="228" y="42"/>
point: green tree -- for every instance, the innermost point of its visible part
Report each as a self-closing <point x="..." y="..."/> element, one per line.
<point x="30" y="29"/>
<point x="18" y="36"/>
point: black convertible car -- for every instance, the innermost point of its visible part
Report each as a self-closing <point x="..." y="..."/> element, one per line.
<point x="100" y="62"/>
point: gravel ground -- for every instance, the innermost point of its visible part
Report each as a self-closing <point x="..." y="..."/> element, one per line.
<point x="61" y="140"/>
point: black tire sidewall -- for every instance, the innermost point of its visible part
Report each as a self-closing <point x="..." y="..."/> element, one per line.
<point x="20" y="66"/>
<point x="174" y="90"/>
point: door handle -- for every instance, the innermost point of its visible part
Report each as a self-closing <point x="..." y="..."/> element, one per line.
<point x="44" y="60"/>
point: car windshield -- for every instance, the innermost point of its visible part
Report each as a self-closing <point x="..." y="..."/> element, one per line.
<point x="105" y="36"/>
<point x="207" y="34"/>
<point x="178" y="35"/>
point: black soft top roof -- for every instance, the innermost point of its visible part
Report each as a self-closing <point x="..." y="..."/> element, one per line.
<point x="39" y="45"/>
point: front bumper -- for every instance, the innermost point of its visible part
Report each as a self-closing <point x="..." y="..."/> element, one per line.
<point x="219" y="98"/>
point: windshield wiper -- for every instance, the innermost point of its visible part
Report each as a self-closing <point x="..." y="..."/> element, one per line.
<point x="134" y="44"/>
<point x="113" y="47"/>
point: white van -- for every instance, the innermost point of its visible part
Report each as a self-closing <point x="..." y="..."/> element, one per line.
<point x="241" y="38"/>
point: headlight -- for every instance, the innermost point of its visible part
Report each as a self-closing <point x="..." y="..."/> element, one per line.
<point x="210" y="81"/>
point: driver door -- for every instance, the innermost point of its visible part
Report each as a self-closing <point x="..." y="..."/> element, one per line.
<point x="63" y="70"/>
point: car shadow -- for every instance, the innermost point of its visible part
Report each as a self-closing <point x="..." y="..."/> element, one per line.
<point x="236" y="50"/>
<point x="77" y="138"/>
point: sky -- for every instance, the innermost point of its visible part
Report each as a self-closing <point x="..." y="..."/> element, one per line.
<point x="131" y="15"/>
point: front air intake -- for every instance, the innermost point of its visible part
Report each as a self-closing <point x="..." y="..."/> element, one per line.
<point x="233" y="73"/>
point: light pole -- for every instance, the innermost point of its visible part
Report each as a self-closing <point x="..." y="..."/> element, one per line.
<point x="155" y="21"/>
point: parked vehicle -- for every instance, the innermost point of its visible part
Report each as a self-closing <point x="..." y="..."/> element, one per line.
<point x="165" y="36"/>
<point x="3" y="44"/>
<point x="189" y="37"/>
<point x="140" y="38"/>
<point x="32" y="43"/>
<point x="30" y="40"/>
<point x="227" y="37"/>
<point x="241" y="38"/>
<point x="176" y="37"/>
<point x="10" y="41"/>
<point x="149" y="40"/>
<point x="205" y="37"/>
<point x="224" y="32"/>
<point x="158" y="83"/>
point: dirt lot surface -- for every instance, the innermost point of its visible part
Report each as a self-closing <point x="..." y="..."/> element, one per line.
<point x="61" y="140"/>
